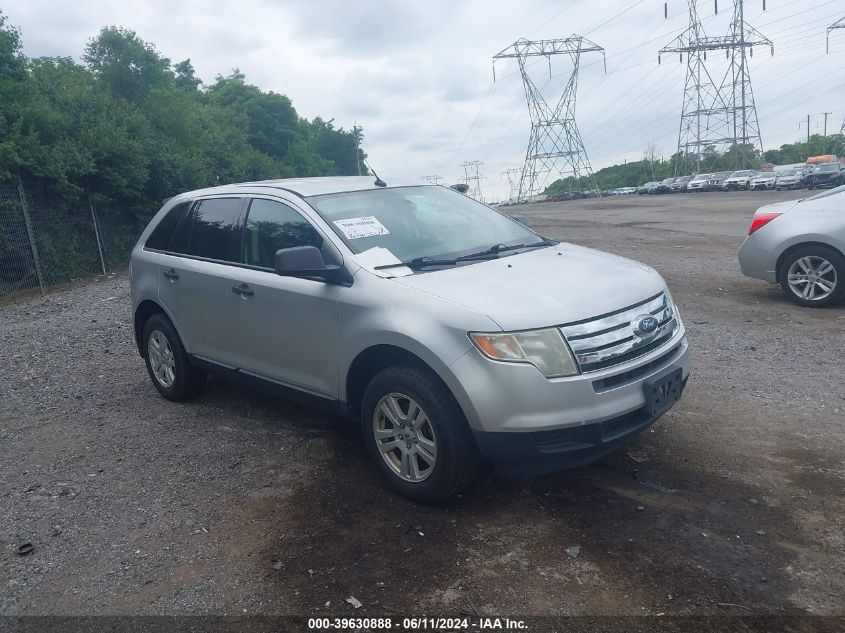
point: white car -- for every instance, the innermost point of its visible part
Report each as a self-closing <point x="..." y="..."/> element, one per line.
<point x="739" y="180"/>
<point x="764" y="180"/>
<point x="698" y="182"/>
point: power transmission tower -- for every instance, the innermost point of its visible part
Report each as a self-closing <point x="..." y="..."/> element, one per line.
<point x="718" y="114"/>
<point x="839" y="24"/>
<point x="433" y="179"/>
<point x="555" y="149"/>
<point x="473" y="178"/>
<point x="513" y="175"/>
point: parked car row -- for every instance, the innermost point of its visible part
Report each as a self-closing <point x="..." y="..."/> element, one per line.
<point x="819" y="176"/>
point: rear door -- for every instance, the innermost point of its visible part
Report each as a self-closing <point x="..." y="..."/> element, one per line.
<point x="197" y="276"/>
<point x="287" y="325"/>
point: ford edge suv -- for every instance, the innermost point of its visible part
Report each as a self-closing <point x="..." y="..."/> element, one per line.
<point x="451" y="332"/>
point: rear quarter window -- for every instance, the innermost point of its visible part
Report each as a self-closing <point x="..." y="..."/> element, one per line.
<point x="210" y="230"/>
<point x="160" y="238"/>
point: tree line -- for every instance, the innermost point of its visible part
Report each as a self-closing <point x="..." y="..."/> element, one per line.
<point x="655" y="168"/>
<point x="128" y="128"/>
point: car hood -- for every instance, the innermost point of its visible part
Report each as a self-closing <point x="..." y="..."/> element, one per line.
<point x="544" y="287"/>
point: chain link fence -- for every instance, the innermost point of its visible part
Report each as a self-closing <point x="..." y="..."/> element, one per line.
<point x="45" y="242"/>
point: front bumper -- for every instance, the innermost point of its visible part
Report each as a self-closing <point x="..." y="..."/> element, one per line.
<point x="824" y="183"/>
<point x="511" y="407"/>
<point x="550" y="451"/>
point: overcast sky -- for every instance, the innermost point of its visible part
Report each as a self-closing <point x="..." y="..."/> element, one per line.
<point x="417" y="74"/>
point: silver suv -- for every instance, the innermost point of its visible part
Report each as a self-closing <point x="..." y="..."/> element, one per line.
<point x="452" y="332"/>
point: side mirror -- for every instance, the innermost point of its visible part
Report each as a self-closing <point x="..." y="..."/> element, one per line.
<point x="461" y="187"/>
<point x="521" y="219"/>
<point x="305" y="261"/>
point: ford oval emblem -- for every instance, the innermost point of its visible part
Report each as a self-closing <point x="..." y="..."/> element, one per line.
<point x="644" y="325"/>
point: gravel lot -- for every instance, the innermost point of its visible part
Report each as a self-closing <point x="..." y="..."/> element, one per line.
<point x="237" y="502"/>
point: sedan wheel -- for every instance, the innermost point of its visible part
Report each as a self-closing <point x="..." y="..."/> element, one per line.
<point x="813" y="276"/>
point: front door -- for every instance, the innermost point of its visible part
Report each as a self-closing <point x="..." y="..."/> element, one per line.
<point x="287" y="325"/>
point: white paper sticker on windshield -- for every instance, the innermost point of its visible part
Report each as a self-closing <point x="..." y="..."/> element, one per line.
<point x="356" y="228"/>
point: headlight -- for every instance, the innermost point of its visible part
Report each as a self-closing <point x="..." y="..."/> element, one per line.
<point x="545" y="349"/>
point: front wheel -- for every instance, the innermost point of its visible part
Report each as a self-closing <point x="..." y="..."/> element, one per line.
<point x="814" y="276"/>
<point x="417" y="434"/>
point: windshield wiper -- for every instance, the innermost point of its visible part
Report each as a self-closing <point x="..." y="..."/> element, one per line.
<point x="501" y="248"/>
<point x="418" y="263"/>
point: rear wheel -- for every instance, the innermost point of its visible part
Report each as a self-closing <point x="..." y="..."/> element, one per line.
<point x="417" y="434"/>
<point x="814" y="276"/>
<point x="167" y="362"/>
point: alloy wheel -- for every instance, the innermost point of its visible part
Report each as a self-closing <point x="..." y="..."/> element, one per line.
<point x="405" y="437"/>
<point x="161" y="358"/>
<point x="812" y="278"/>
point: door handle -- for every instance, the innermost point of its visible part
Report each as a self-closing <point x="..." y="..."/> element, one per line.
<point x="171" y="274"/>
<point x="243" y="290"/>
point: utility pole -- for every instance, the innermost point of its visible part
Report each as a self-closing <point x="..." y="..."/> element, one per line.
<point x="717" y="115"/>
<point x="826" y="114"/>
<point x="473" y="178"/>
<point x="357" y="132"/>
<point x="435" y="179"/>
<point x="839" y="24"/>
<point x="555" y="149"/>
<point x="807" y="122"/>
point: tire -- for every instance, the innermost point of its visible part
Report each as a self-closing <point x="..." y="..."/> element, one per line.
<point x="441" y="423"/>
<point x="177" y="379"/>
<point x="796" y="265"/>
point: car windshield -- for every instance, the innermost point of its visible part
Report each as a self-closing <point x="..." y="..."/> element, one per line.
<point x="765" y="176"/>
<point x="788" y="172"/>
<point x="737" y="174"/>
<point x="419" y="222"/>
<point x="828" y="167"/>
<point x="722" y="174"/>
<point x="701" y="177"/>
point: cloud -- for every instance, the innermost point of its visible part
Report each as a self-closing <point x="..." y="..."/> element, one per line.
<point x="417" y="75"/>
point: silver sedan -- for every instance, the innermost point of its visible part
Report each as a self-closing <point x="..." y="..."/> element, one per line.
<point x="799" y="244"/>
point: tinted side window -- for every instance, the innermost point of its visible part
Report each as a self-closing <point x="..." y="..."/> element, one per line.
<point x="271" y="226"/>
<point x="210" y="230"/>
<point x="159" y="239"/>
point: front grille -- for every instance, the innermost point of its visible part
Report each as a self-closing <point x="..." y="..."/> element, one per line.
<point x="609" y="339"/>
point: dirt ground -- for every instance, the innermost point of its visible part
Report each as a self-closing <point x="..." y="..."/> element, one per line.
<point x="236" y="502"/>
